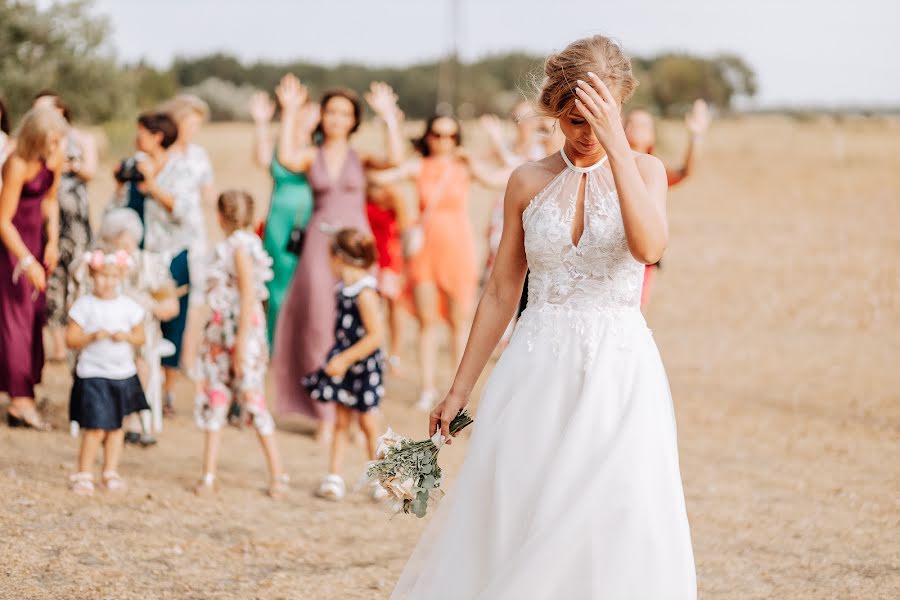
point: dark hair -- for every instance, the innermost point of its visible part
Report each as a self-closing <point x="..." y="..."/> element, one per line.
<point x="348" y="94"/>
<point x="421" y="144"/>
<point x="157" y="122"/>
<point x="354" y="247"/>
<point x="4" y="117"/>
<point x="236" y="207"/>
<point x="58" y="102"/>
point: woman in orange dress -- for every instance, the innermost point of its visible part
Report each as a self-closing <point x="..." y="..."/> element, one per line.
<point x="440" y="251"/>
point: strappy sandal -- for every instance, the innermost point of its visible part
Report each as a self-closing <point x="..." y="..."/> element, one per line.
<point x="332" y="488"/>
<point x="82" y="483"/>
<point x="113" y="482"/>
<point x="279" y="486"/>
<point x="206" y="486"/>
<point x="29" y="419"/>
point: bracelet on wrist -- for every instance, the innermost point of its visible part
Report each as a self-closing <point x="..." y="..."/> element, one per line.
<point x="21" y="266"/>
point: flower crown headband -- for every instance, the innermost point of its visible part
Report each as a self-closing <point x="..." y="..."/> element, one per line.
<point x="97" y="259"/>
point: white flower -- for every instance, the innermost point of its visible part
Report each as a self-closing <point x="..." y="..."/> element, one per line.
<point x="400" y="490"/>
<point x="389" y="441"/>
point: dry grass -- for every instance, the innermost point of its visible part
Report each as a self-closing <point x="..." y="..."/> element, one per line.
<point x="777" y="314"/>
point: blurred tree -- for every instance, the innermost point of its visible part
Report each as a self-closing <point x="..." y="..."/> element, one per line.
<point x="63" y="48"/>
<point x="66" y="48"/>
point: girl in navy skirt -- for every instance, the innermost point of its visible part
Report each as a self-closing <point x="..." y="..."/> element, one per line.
<point x="352" y="375"/>
<point x="104" y="328"/>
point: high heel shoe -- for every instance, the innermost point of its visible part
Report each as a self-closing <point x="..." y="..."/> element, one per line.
<point x="36" y="423"/>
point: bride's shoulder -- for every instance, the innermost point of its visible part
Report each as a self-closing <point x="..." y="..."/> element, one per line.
<point x="528" y="179"/>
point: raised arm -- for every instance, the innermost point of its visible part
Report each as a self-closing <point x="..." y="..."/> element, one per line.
<point x="498" y="302"/>
<point x="404" y="172"/>
<point x="262" y="109"/>
<point x="697" y="122"/>
<point x="294" y="153"/>
<point x="494" y="130"/>
<point x="640" y="182"/>
<point x="383" y="100"/>
<point x="486" y="174"/>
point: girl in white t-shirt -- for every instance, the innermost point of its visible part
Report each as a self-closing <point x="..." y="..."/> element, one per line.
<point x="104" y="328"/>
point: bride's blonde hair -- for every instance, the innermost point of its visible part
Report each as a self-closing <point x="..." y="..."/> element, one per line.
<point x="598" y="54"/>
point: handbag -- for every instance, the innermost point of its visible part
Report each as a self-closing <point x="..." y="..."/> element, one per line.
<point x="296" y="237"/>
<point x="413" y="238"/>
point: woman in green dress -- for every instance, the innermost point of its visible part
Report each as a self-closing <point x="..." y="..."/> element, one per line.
<point x="291" y="204"/>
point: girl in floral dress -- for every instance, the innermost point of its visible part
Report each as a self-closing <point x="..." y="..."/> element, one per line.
<point x="235" y="353"/>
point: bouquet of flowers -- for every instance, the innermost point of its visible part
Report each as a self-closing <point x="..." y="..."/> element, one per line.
<point x="408" y="470"/>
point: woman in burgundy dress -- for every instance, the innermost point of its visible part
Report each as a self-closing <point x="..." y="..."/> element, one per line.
<point x="28" y="210"/>
<point x="304" y="332"/>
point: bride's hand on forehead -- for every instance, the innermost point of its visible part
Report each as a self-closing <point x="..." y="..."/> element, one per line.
<point x="596" y="104"/>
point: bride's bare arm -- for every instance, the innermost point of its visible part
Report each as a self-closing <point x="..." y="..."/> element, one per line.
<point x="499" y="301"/>
<point x="640" y="179"/>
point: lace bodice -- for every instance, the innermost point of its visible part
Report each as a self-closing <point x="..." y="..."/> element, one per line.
<point x="599" y="272"/>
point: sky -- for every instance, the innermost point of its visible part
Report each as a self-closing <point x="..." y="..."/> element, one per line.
<point x="805" y="52"/>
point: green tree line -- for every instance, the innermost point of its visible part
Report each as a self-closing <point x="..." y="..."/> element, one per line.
<point x="66" y="48"/>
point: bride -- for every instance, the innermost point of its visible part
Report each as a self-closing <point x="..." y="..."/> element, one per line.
<point x="571" y="487"/>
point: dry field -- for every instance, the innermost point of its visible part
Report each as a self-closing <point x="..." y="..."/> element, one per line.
<point x="778" y="317"/>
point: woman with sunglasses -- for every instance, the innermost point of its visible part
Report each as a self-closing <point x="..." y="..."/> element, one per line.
<point x="336" y="173"/>
<point x="440" y="249"/>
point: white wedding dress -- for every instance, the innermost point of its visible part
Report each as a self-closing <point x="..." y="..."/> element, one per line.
<point x="571" y="487"/>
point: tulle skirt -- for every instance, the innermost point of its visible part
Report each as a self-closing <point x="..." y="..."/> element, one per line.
<point x="571" y="485"/>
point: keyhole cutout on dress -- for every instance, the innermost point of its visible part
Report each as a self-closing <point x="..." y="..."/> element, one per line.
<point x="579" y="218"/>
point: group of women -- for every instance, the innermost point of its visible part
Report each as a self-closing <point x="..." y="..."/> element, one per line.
<point x="427" y="260"/>
<point x="45" y="228"/>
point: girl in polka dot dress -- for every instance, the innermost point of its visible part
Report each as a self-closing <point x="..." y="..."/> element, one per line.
<point x="352" y="375"/>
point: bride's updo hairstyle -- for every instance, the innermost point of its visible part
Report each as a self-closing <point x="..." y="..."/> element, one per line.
<point x="596" y="54"/>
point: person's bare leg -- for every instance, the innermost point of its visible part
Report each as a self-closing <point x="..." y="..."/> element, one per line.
<point x="339" y="440"/>
<point x="112" y="450"/>
<point x="87" y="454"/>
<point x="169" y="390"/>
<point x="459" y="329"/>
<point x="426" y="296"/>
<point x="395" y="325"/>
<point x="368" y="422"/>
<point x="212" y="442"/>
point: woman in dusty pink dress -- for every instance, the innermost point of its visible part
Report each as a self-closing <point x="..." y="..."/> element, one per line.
<point x="305" y="330"/>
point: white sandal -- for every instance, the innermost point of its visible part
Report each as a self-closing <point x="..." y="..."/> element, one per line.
<point x="82" y="483"/>
<point x="377" y="492"/>
<point x="113" y="482"/>
<point x="332" y="488"/>
<point x="426" y="400"/>
<point x="206" y="486"/>
<point x="278" y="487"/>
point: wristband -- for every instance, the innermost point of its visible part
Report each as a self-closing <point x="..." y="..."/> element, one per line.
<point x="22" y="264"/>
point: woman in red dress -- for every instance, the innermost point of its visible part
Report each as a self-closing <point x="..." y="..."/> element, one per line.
<point x="386" y="210"/>
<point x="641" y="132"/>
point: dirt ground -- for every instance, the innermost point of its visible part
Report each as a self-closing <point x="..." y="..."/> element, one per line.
<point x="777" y="314"/>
